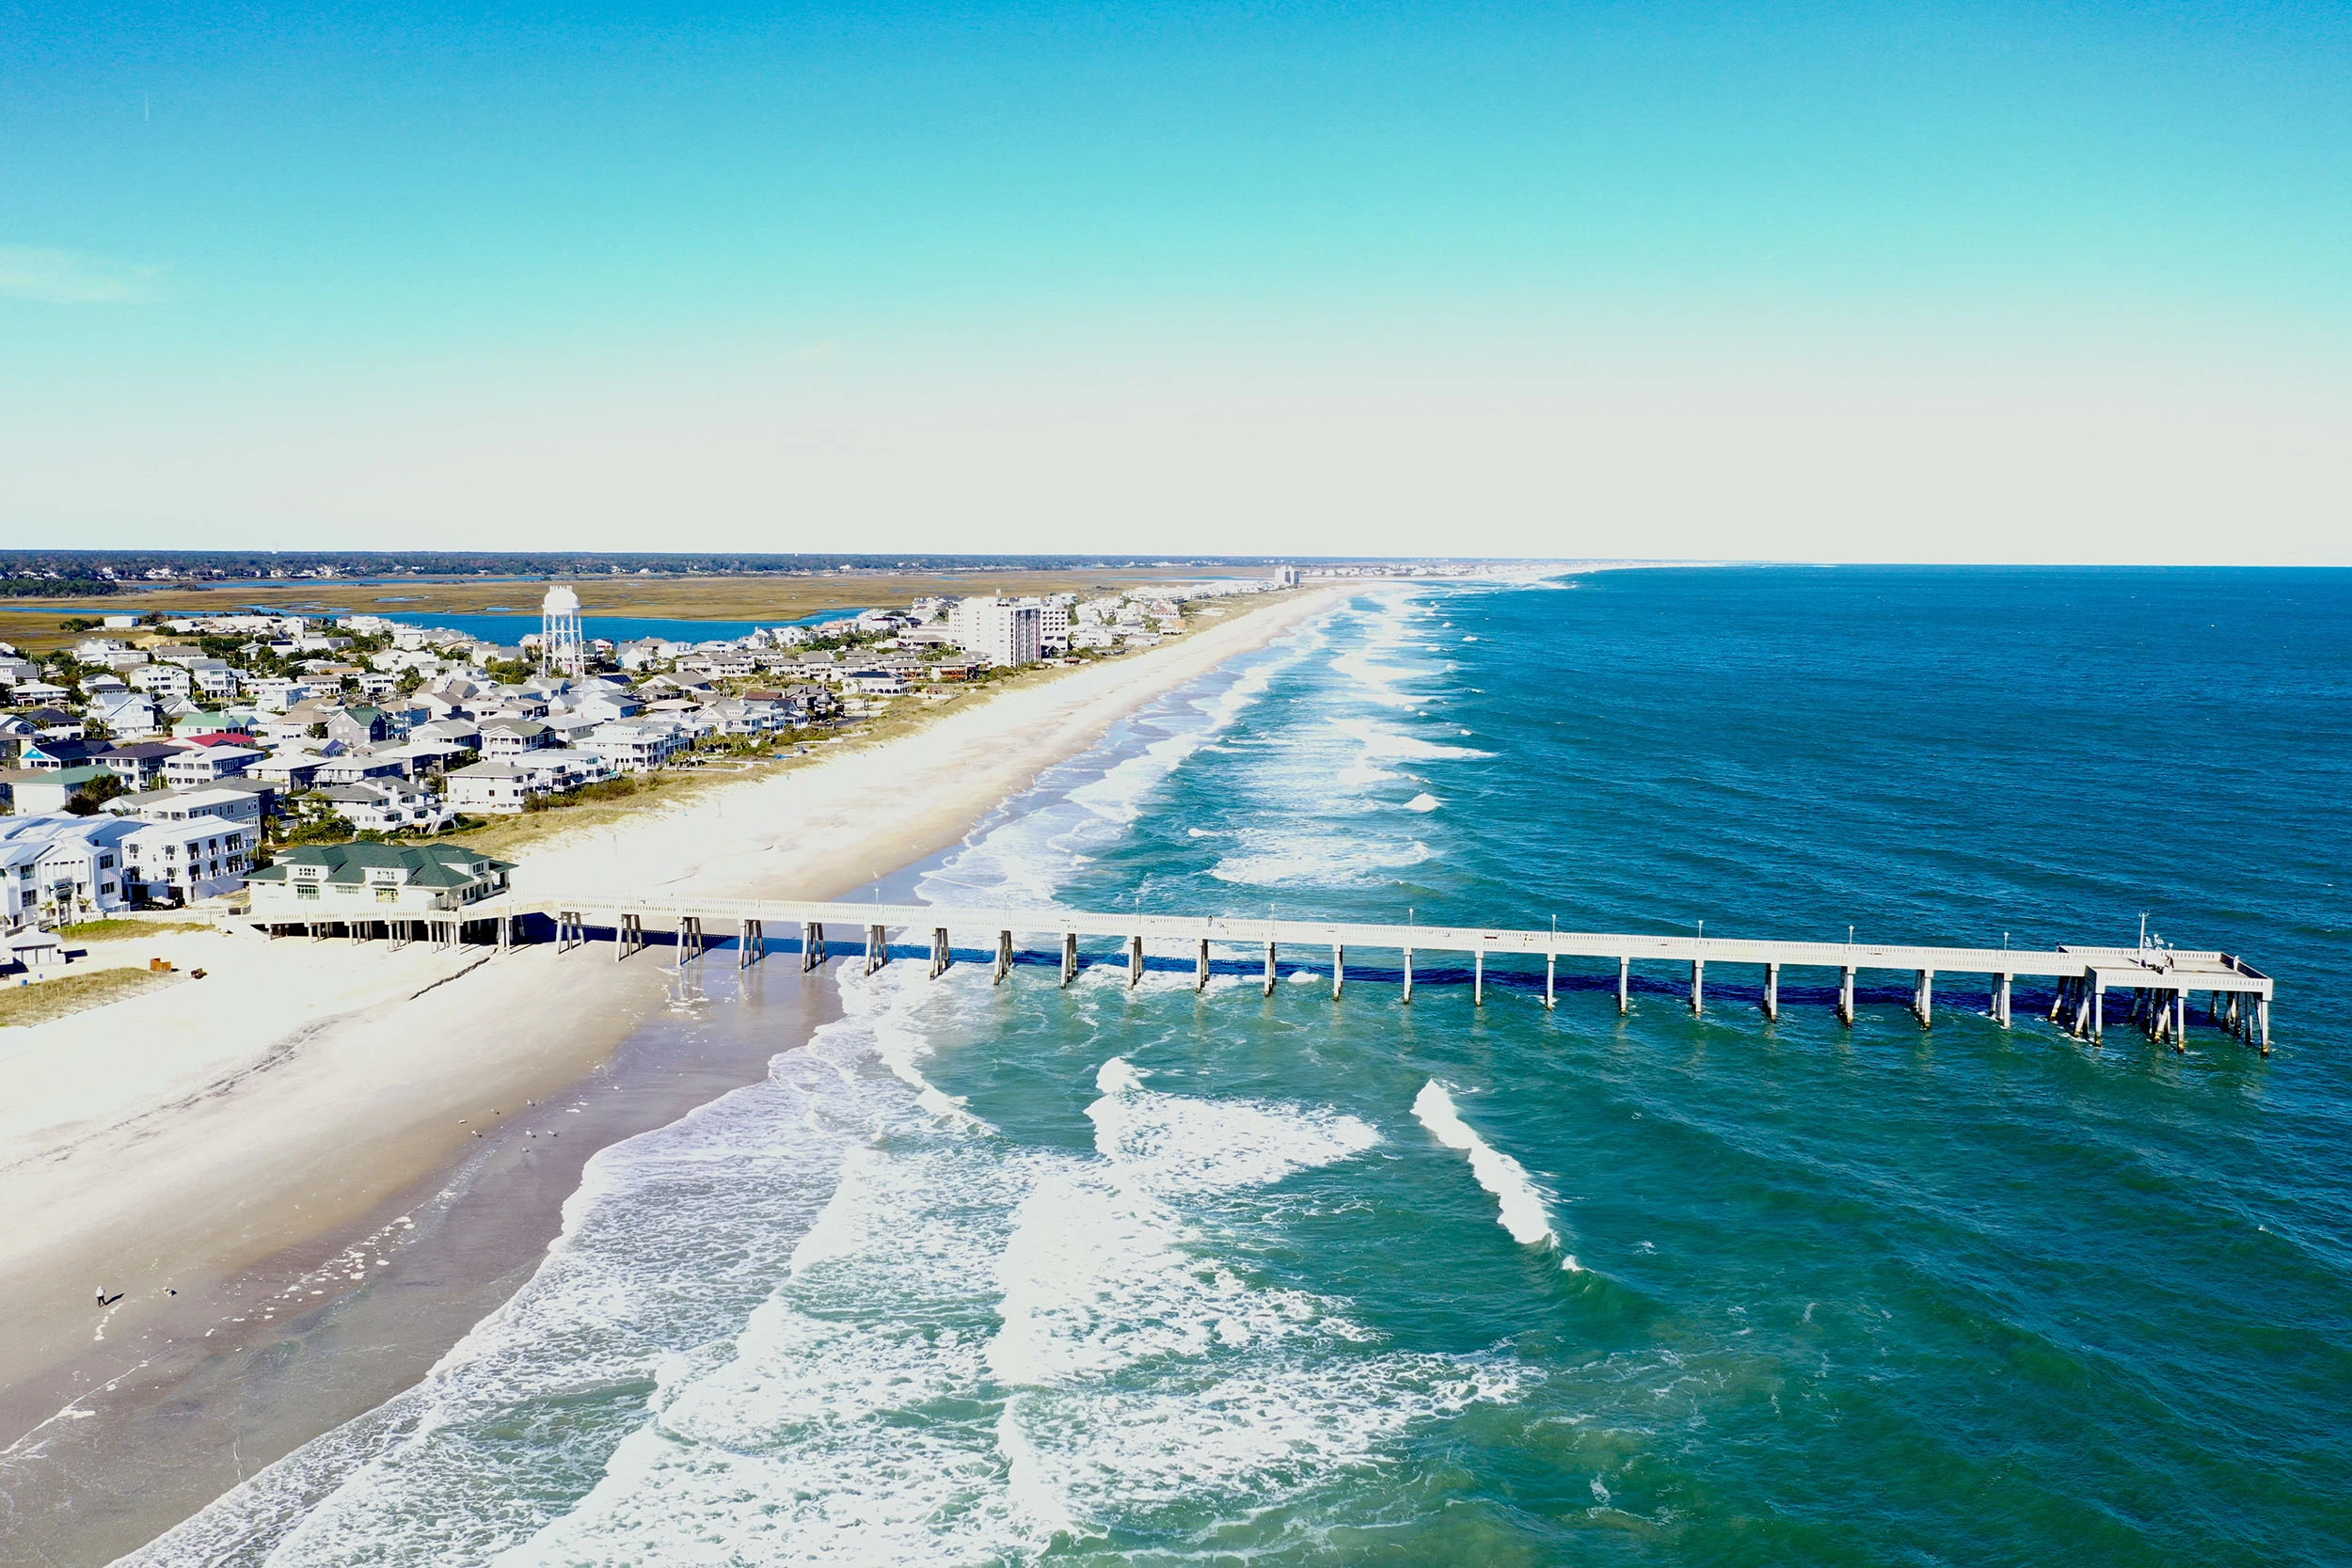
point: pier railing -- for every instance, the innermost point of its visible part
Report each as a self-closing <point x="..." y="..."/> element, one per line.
<point x="2158" y="981"/>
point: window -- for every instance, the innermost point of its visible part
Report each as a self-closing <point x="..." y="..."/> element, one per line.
<point x="305" y="890"/>
<point x="387" y="895"/>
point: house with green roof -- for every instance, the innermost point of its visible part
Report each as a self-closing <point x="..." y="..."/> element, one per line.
<point x="374" y="881"/>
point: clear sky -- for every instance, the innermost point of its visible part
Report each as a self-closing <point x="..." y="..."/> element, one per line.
<point x="1879" y="282"/>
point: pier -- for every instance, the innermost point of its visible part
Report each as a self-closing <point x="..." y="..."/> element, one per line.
<point x="2149" y="987"/>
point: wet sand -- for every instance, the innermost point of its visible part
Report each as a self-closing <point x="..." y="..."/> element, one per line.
<point x="302" y="1230"/>
<point x="205" y="1400"/>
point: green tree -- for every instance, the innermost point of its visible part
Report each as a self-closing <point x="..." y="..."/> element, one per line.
<point x="86" y="799"/>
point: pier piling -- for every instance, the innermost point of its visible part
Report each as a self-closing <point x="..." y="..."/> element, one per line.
<point x="2158" y="982"/>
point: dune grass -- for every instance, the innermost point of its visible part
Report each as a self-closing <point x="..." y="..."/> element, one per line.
<point x="38" y="1003"/>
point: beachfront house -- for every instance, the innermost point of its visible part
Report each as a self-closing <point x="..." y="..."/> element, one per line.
<point x="179" y="863"/>
<point x="632" y="745"/>
<point x="504" y="786"/>
<point x="386" y="806"/>
<point x="73" y="869"/>
<point x="373" y="881"/>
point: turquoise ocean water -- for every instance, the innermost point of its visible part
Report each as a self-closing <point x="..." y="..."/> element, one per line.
<point x="994" y="1276"/>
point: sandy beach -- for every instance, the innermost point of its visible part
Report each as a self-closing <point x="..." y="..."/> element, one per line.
<point x="322" y="1143"/>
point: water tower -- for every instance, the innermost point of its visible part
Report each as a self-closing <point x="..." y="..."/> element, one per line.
<point x="563" y="651"/>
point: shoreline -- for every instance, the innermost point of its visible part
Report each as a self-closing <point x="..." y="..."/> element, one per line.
<point x="298" y="1240"/>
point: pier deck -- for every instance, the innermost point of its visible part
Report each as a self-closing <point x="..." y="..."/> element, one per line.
<point x="2157" y="981"/>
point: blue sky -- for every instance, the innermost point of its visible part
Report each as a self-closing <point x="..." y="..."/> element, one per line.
<point x="1876" y="283"/>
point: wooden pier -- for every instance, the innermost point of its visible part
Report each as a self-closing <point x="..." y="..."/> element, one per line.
<point x="2149" y="987"/>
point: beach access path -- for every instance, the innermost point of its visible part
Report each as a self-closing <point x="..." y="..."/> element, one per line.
<point x="158" y="1146"/>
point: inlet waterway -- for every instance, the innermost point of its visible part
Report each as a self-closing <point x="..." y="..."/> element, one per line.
<point x="996" y="1274"/>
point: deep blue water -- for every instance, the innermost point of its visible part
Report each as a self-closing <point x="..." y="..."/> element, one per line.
<point x="999" y="1275"/>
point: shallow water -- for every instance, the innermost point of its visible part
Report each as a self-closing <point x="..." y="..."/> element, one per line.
<point x="989" y="1274"/>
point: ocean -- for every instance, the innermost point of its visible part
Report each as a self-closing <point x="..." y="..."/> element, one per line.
<point x="995" y="1275"/>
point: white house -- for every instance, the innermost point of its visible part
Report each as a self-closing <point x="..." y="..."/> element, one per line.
<point x="503" y="787"/>
<point x="74" y="867"/>
<point x="163" y="680"/>
<point x="127" y="715"/>
<point x="186" y="861"/>
<point x="204" y="765"/>
<point x="388" y="806"/>
<point x="632" y="745"/>
<point x="240" y="808"/>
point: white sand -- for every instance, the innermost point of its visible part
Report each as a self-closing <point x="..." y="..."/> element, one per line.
<point x="188" y="1131"/>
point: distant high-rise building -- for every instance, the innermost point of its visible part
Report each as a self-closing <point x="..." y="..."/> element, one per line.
<point x="1285" y="577"/>
<point x="999" y="630"/>
<point x="1053" y="621"/>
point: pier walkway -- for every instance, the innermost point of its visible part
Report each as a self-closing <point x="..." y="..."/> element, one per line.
<point x="2150" y="985"/>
